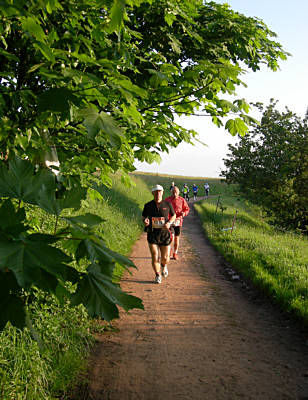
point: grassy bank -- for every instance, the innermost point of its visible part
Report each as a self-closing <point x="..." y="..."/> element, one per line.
<point x="46" y="368"/>
<point x="276" y="263"/>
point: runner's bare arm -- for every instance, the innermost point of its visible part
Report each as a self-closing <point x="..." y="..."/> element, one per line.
<point x="172" y="218"/>
<point x="185" y="209"/>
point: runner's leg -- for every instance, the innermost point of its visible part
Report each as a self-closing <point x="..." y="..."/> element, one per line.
<point x="154" y="249"/>
<point x="176" y="244"/>
<point x="172" y="244"/>
<point x="164" y="252"/>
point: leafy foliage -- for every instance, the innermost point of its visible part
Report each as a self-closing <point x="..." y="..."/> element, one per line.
<point x="85" y="89"/>
<point x="103" y="88"/>
<point x="31" y="259"/>
<point x="271" y="167"/>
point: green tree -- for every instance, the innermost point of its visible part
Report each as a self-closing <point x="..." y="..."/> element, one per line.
<point x="271" y="166"/>
<point x="90" y="86"/>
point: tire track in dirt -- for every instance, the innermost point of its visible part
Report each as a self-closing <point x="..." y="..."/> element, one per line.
<point x="200" y="337"/>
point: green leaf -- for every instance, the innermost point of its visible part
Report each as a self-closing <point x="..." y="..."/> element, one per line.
<point x="132" y="112"/>
<point x="8" y="55"/>
<point x="31" y="25"/>
<point x="175" y="44"/>
<point x="46" y="51"/>
<point x="96" y="122"/>
<point x="236" y="126"/>
<point x="101" y="188"/>
<point x="116" y="14"/>
<point x="170" y="18"/>
<point x="148" y="156"/>
<point x="22" y="141"/>
<point x="242" y="105"/>
<point x="70" y="198"/>
<point x="46" y="281"/>
<point x="249" y="120"/>
<point x="62" y="294"/>
<point x="57" y="100"/>
<point x="99" y="252"/>
<point x="217" y="121"/>
<point x="169" y="68"/>
<point x="12" y="309"/>
<point x="100" y="295"/>
<point x="19" y="181"/>
<point x="52" y="5"/>
<point x="28" y="257"/>
<point x="11" y="220"/>
<point x="159" y="76"/>
<point x="86" y="219"/>
<point x="11" y="305"/>
<point x="128" y="85"/>
<point x="227" y="106"/>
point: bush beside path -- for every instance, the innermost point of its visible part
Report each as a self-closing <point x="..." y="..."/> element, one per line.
<point x="201" y="336"/>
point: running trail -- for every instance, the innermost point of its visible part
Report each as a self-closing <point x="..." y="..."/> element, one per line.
<point x="201" y="336"/>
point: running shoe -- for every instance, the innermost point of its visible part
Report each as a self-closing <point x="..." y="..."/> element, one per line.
<point x="165" y="271"/>
<point x="175" y="256"/>
<point x="157" y="279"/>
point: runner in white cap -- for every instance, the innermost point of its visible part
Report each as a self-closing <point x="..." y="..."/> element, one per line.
<point x="158" y="216"/>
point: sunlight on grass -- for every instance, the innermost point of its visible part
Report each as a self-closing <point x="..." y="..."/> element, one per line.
<point x="275" y="262"/>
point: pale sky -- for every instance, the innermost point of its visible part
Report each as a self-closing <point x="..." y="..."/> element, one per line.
<point x="289" y="85"/>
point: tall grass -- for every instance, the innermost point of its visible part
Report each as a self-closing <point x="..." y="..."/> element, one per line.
<point x="23" y="373"/>
<point x="29" y="371"/>
<point x="120" y="207"/>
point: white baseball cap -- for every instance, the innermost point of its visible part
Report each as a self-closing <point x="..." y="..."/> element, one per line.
<point x="157" y="187"/>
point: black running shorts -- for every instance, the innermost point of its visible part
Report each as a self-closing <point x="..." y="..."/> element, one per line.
<point x="177" y="230"/>
<point x="161" y="237"/>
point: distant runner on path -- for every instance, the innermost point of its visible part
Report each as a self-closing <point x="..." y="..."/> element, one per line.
<point x="158" y="216"/>
<point x="185" y="191"/>
<point x="207" y="189"/>
<point x="181" y="209"/>
<point x="195" y="191"/>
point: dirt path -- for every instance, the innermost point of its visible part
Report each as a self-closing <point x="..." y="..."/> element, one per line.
<point x="202" y="336"/>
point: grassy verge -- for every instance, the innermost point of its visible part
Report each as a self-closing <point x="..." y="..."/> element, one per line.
<point x="47" y="368"/>
<point x="31" y="369"/>
<point x="277" y="263"/>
